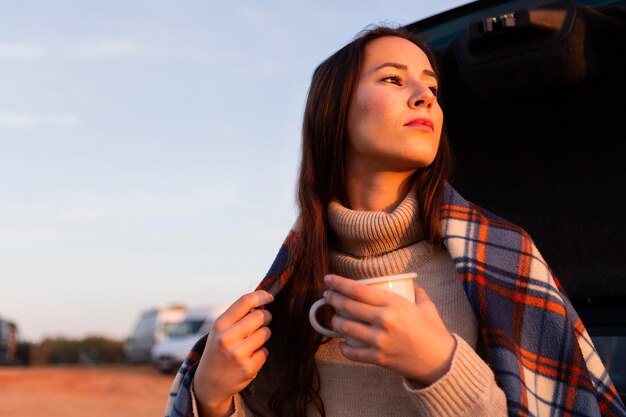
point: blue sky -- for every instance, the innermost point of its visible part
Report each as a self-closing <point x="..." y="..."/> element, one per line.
<point x="149" y="149"/>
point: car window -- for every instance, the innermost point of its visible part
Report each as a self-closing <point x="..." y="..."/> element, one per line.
<point x="186" y="328"/>
<point x="612" y="351"/>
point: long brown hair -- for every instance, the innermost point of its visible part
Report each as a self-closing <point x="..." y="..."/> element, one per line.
<point x="322" y="177"/>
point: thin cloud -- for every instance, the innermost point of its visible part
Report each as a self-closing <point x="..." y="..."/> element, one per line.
<point x="125" y="49"/>
<point x="101" y="49"/>
<point x="61" y="120"/>
<point x="17" y="120"/>
<point x="21" y="51"/>
<point x="121" y="208"/>
<point x="108" y="49"/>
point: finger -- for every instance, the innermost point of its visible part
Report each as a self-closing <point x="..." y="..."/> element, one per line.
<point x="255" y="341"/>
<point x="420" y="294"/>
<point x="357" y="291"/>
<point x="249" y="324"/>
<point x="258" y="358"/>
<point x="358" y="310"/>
<point x="355" y="330"/>
<point x="241" y="307"/>
<point x="252" y="365"/>
<point x="359" y="354"/>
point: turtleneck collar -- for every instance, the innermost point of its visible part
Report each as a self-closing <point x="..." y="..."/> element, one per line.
<point x="373" y="233"/>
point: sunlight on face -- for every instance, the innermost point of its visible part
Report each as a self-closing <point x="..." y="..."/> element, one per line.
<point x="395" y="120"/>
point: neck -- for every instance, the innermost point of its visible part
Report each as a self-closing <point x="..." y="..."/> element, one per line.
<point x="381" y="191"/>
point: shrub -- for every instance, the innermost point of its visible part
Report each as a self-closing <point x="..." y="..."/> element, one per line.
<point x="89" y="350"/>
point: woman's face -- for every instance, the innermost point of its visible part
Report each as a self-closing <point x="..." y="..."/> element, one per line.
<point x="395" y="121"/>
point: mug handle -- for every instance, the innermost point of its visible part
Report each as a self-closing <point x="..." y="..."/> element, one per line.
<point x="316" y="325"/>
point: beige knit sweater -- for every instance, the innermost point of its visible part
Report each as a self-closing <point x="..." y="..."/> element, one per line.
<point x="372" y="244"/>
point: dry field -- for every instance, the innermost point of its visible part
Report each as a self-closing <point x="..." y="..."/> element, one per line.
<point x="121" y="391"/>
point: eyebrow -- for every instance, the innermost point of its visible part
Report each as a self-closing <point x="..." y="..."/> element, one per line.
<point x="403" y="67"/>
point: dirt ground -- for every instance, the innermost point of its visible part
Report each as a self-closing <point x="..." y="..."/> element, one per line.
<point x="122" y="391"/>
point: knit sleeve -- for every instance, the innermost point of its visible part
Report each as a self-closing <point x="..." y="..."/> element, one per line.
<point x="467" y="389"/>
<point x="241" y="410"/>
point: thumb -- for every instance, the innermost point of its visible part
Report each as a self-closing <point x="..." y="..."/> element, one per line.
<point x="420" y="294"/>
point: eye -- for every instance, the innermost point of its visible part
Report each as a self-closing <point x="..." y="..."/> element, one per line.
<point x="434" y="89"/>
<point x="392" y="79"/>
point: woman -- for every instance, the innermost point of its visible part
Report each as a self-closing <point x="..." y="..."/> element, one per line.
<point x="373" y="201"/>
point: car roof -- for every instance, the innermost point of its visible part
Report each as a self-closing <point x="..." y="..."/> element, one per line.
<point x="200" y="313"/>
<point x="440" y="29"/>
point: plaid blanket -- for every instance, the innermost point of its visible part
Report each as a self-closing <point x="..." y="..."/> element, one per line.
<point x="538" y="348"/>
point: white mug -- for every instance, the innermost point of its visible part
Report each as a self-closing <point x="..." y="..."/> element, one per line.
<point x="399" y="284"/>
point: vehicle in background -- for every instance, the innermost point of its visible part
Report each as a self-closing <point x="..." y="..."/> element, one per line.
<point x="170" y="353"/>
<point x="152" y="327"/>
<point x="13" y="351"/>
<point x="533" y="95"/>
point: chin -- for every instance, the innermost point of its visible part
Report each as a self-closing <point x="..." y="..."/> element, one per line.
<point x="423" y="160"/>
<point x="413" y="165"/>
<point x="422" y="153"/>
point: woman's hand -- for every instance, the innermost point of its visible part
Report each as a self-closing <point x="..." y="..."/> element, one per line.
<point x="233" y="354"/>
<point x="407" y="338"/>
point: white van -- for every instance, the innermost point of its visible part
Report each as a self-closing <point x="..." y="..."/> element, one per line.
<point x="170" y="353"/>
<point x="152" y="327"/>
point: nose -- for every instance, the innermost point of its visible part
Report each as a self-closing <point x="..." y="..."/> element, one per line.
<point x="422" y="97"/>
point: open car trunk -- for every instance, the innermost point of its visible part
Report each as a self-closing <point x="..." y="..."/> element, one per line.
<point x="534" y="97"/>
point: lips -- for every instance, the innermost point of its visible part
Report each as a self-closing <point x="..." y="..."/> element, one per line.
<point x="421" y="123"/>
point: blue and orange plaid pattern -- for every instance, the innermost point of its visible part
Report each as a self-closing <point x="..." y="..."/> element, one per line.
<point x="538" y="348"/>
